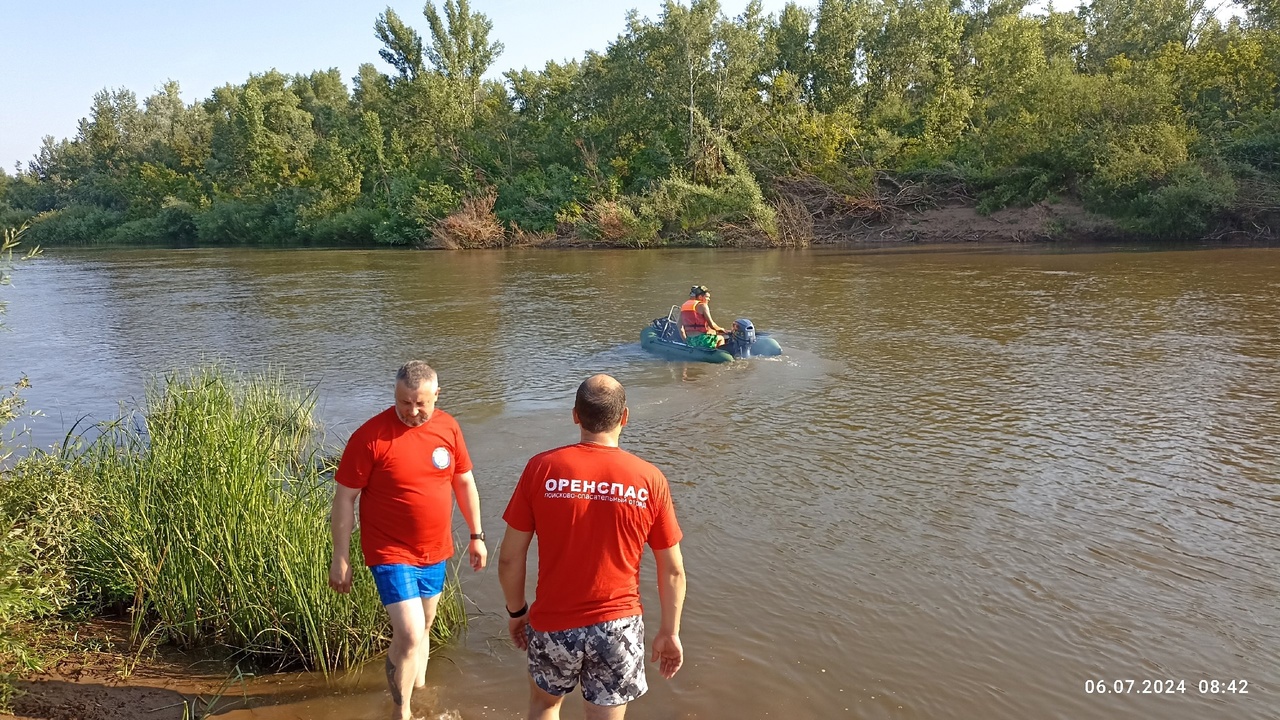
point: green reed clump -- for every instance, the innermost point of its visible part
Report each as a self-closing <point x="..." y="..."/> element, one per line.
<point x="18" y="603"/>
<point x="44" y="512"/>
<point x="212" y="525"/>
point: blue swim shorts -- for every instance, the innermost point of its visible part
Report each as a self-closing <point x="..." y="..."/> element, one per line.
<point x="397" y="583"/>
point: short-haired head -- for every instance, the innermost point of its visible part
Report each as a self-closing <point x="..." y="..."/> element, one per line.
<point x="599" y="403"/>
<point x="415" y="372"/>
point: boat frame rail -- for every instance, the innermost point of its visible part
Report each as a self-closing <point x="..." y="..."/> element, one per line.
<point x="670" y="330"/>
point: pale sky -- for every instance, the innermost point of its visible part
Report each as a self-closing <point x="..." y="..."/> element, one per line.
<point x="55" y="54"/>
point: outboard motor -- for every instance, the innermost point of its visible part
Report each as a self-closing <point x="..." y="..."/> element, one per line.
<point x="742" y="337"/>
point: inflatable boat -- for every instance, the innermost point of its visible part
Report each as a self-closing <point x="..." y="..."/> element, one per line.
<point x="662" y="337"/>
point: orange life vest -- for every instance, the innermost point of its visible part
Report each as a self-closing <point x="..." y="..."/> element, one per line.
<point x="694" y="324"/>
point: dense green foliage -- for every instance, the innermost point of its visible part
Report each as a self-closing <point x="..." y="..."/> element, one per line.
<point x="204" y="516"/>
<point x="1152" y="112"/>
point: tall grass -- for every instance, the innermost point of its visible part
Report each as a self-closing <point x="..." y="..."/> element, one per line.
<point x="205" y="514"/>
<point x="214" y="525"/>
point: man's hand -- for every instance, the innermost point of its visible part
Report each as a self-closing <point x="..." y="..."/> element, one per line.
<point x="668" y="653"/>
<point x="516" y="627"/>
<point x="479" y="555"/>
<point x="340" y="574"/>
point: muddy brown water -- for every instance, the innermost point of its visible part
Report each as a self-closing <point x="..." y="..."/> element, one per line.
<point x="976" y="485"/>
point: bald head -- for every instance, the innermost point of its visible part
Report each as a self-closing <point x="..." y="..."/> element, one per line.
<point x="600" y="403"/>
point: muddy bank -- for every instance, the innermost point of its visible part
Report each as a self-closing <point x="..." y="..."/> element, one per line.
<point x="167" y="689"/>
<point x="94" y="672"/>
<point x="103" y="698"/>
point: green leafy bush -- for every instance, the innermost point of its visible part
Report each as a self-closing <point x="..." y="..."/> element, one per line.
<point x="251" y="222"/>
<point x="354" y="226"/>
<point x="613" y="222"/>
<point x="14" y="217"/>
<point x="74" y="225"/>
<point x="414" y="207"/>
<point x="533" y="199"/>
<point x="1184" y="207"/>
<point x="684" y="208"/>
<point x="173" y="225"/>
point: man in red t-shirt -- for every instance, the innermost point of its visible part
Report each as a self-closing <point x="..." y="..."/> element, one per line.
<point x="404" y="465"/>
<point x="593" y="506"/>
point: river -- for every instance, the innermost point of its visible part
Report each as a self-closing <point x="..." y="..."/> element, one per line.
<point x="976" y="484"/>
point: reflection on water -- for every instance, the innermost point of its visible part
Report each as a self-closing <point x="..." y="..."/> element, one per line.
<point x="973" y="483"/>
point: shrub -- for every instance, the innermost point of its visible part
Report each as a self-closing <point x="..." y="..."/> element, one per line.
<point x="473" y="225"/>
<point x="355" y="226"/>
<point x="173" y="225"/>
<point x="534" y="198"/>
<point x="685" y="208"/>
<point x="18" y="605"/>
<point x="1258" y="145"/>
<point x="273" y="221"/>
<point x="1185" y="206"/>
<point x="614" y="223"/>
<point x="74" y="225"/>
<point x="414" y="207"/>
<point x="13" y="217"/>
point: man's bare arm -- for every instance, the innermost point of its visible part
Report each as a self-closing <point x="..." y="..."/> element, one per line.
<point x="667" y="650"/>
<point x="512" y="558"/>
<point x="342" y="522"/>
<point x="468" y="498"/>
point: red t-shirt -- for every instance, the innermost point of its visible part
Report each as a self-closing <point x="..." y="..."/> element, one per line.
<point x="593" y="508"/>
<point x="405" y="475"/>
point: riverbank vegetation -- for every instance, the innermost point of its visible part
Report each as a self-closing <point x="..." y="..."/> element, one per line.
<point x="835" y="120"/>
<point x="202" y="518"/>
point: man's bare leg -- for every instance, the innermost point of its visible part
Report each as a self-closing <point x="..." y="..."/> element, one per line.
<point x="408" y="635"/>
<point x="429" y="616"/>
<point x="604" y="712"/>
<point x="542" y="704"/>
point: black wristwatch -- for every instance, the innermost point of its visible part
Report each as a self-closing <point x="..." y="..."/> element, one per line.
<point x="478" y="536"/>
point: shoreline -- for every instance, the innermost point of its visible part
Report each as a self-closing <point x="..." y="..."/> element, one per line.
<point x="1064" y="224"/>
<point x="99" y="675"/>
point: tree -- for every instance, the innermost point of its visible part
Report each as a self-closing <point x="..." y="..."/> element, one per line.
<point x="912" y="88"/>
<point x="1137" y="29"/>
<point x="460" y="49"/>
<point x="262" y="138"/>
<point x="1063" y="36"/>
<point x="740" y="58"/>
<point x="324" y="96"/>
<point x="403" y="49"/>
<point x="1263" y="14"/>
<point x="1006" y="57"/>
<point x="841" y="34"/>
<point x="790" y="38"/>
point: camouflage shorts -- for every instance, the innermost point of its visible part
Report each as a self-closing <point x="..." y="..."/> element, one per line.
<point x="608" y="658"/>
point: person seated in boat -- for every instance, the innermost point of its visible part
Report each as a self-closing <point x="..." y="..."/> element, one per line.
<point x="696" y="325"/>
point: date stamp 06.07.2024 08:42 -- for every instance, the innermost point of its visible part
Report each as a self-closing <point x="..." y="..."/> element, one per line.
<point x="1230" y="686"/>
